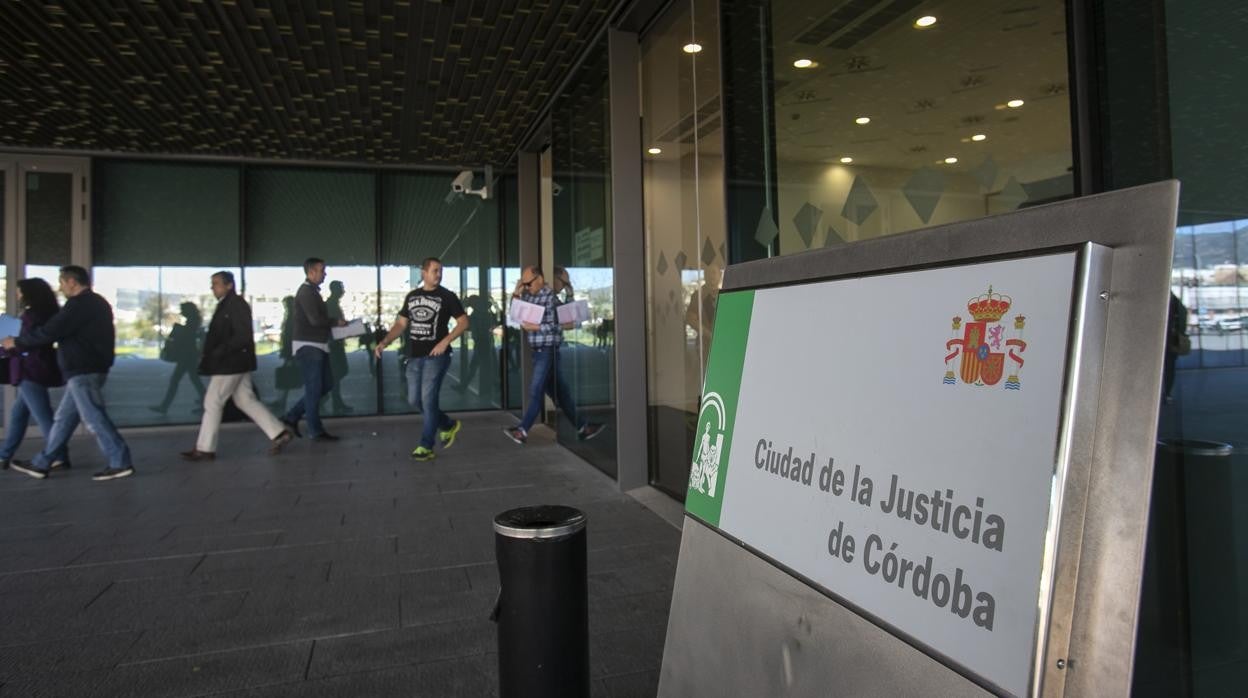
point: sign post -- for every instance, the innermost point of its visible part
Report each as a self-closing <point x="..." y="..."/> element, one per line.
<point x="907" y="435"/>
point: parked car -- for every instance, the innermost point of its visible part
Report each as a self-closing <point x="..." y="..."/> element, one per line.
<point x="1232" y="324"/>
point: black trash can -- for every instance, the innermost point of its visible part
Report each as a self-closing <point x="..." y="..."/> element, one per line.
<point x="543" y="603"/>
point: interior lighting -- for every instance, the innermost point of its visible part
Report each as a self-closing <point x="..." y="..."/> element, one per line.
<point x="693" y="48"/>
<point x="862" y="120"/>
<point x="846" y="160"/>
<point x="951" y="161"/>
<point x="804" y="63"/>
<point x="925" y="21"/>
<point x="1015" y="103"/>
<point x="979" y="137"/>
<point x="654" y="151"/>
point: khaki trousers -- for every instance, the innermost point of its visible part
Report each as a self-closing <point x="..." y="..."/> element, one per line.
<point x="237" y="386"/>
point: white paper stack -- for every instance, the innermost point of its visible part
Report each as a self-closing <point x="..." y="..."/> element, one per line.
<point x="355" y="328"/>
<point x="520" y="312"/>
<point x="573" y="313"/>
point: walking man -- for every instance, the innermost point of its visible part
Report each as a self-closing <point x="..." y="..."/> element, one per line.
<point x="425" y="317"/>
<point x="545" y="339"/>
<point x="229" y="358"/>
<point x="84" y="336"/>
<point x="310" y="333"/>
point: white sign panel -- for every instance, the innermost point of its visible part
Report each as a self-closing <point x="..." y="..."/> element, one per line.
<point x="893" y="439"/>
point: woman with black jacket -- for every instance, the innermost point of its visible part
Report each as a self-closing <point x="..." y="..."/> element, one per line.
<point x="33" y="371"/>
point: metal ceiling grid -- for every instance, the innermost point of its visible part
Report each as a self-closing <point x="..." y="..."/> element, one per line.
<point x="383" y="82"/>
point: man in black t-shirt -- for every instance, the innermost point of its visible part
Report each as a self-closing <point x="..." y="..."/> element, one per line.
<point x="425" y="317"/>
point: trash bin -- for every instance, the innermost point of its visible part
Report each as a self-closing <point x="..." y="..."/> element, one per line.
<point x="543" y="603"/>
<point x="1185" y="602"/>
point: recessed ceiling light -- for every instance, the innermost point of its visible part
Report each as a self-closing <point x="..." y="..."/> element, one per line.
<point x="654" y="151"/>
<point x="693" y="48"/>
<point x="804" y="63"/>
<point x="951" y="160"/>
<point x="846" y="160"/>
<point x="979" y="137"/>
<point x="1015" y="103"/>
<point x="862" y="120"/>
<point x="925" y="21"/>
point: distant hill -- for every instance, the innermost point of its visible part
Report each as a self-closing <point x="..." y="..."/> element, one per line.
<point x="1210" y="249"/>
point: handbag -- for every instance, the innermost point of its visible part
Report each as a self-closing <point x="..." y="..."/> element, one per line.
<point x="288" y="376"/>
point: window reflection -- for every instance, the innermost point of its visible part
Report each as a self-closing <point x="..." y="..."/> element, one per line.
<point x="161" y="315"/>
<point x="883" y="126"/>
<point x="685" y="228"/>
<point x="350" y="293"/>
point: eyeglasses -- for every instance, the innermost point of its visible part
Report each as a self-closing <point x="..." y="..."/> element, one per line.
<point x="526" y="283"/>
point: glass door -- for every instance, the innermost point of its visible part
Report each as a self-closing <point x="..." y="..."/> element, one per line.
<point x="44" y="209"/>
<point x="685" y="231"/>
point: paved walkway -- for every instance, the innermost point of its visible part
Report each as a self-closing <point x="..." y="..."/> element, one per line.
<point x="343" y="570"/>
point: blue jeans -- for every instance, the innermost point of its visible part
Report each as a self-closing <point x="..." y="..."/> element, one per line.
<point x="548" y="379"/>
<point x="317" y="382"/>
<point x="32" y="400"/>
<point x="424" y="383"/>
<point x="84" y="402"/>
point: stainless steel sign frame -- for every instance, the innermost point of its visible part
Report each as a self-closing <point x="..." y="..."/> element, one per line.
<point x="743" y="625"/>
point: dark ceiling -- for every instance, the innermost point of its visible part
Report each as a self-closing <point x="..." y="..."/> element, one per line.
<point x="382" y="81"/>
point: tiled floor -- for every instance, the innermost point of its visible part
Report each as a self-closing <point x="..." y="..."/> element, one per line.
<point x="329" y="570"/>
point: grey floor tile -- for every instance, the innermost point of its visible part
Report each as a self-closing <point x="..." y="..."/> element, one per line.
<point x="416" y="645"/>
<point x="327" y="571"/>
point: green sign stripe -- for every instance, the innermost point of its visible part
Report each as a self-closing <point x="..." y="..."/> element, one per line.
<point x="712" y="442"/>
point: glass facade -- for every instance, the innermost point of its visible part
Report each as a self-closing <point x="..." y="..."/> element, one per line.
<point x="888" y="119"/>
<point x="162" y="229"/>
<point x="1198" y="113"/>
<point x="683" y="190"/>
<point x="582" y="238"/>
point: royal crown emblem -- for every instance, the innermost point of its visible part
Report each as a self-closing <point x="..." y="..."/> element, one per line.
<point x="979" y="364"/>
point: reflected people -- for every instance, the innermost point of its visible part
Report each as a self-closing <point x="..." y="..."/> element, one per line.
<point x="1177" y="344"/>
<point x="700" y="313"/>
<point x="182" y="350"/>
<point x="33" y="372"/>
<point x="286" y="376"/>
<point x="338" y="366"/>
<point x="484" y="316"/>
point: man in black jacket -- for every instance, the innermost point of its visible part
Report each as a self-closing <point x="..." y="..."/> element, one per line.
<point x="84" y="336"/>
<point x="310" y="326"/>
<point x="229" y="357"/>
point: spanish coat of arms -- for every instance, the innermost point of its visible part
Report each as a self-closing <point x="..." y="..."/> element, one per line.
<point x="983" y="346"/>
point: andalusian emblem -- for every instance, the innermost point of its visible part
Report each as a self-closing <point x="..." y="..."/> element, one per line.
<point x="704" y="471"/>
<point x="983" y="346"/>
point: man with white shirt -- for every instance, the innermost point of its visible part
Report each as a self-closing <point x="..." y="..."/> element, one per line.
<point x="310" y="327"/>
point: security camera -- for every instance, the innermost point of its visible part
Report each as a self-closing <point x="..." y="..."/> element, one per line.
<point x="556" y="189"/>
<point x="462" y="184"/>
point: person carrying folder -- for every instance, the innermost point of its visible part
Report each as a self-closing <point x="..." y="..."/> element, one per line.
<point x="545" y="338"/>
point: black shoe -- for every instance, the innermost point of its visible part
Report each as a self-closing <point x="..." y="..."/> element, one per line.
<point x="28" y="468"/>
<point x="113" y="474"/>
<point x="275" y="447"/>
<point x="325" y="436"/>
<point x="60" y="465"/>
<point x="294" y="428"/>
<point x="589" y="431"/>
